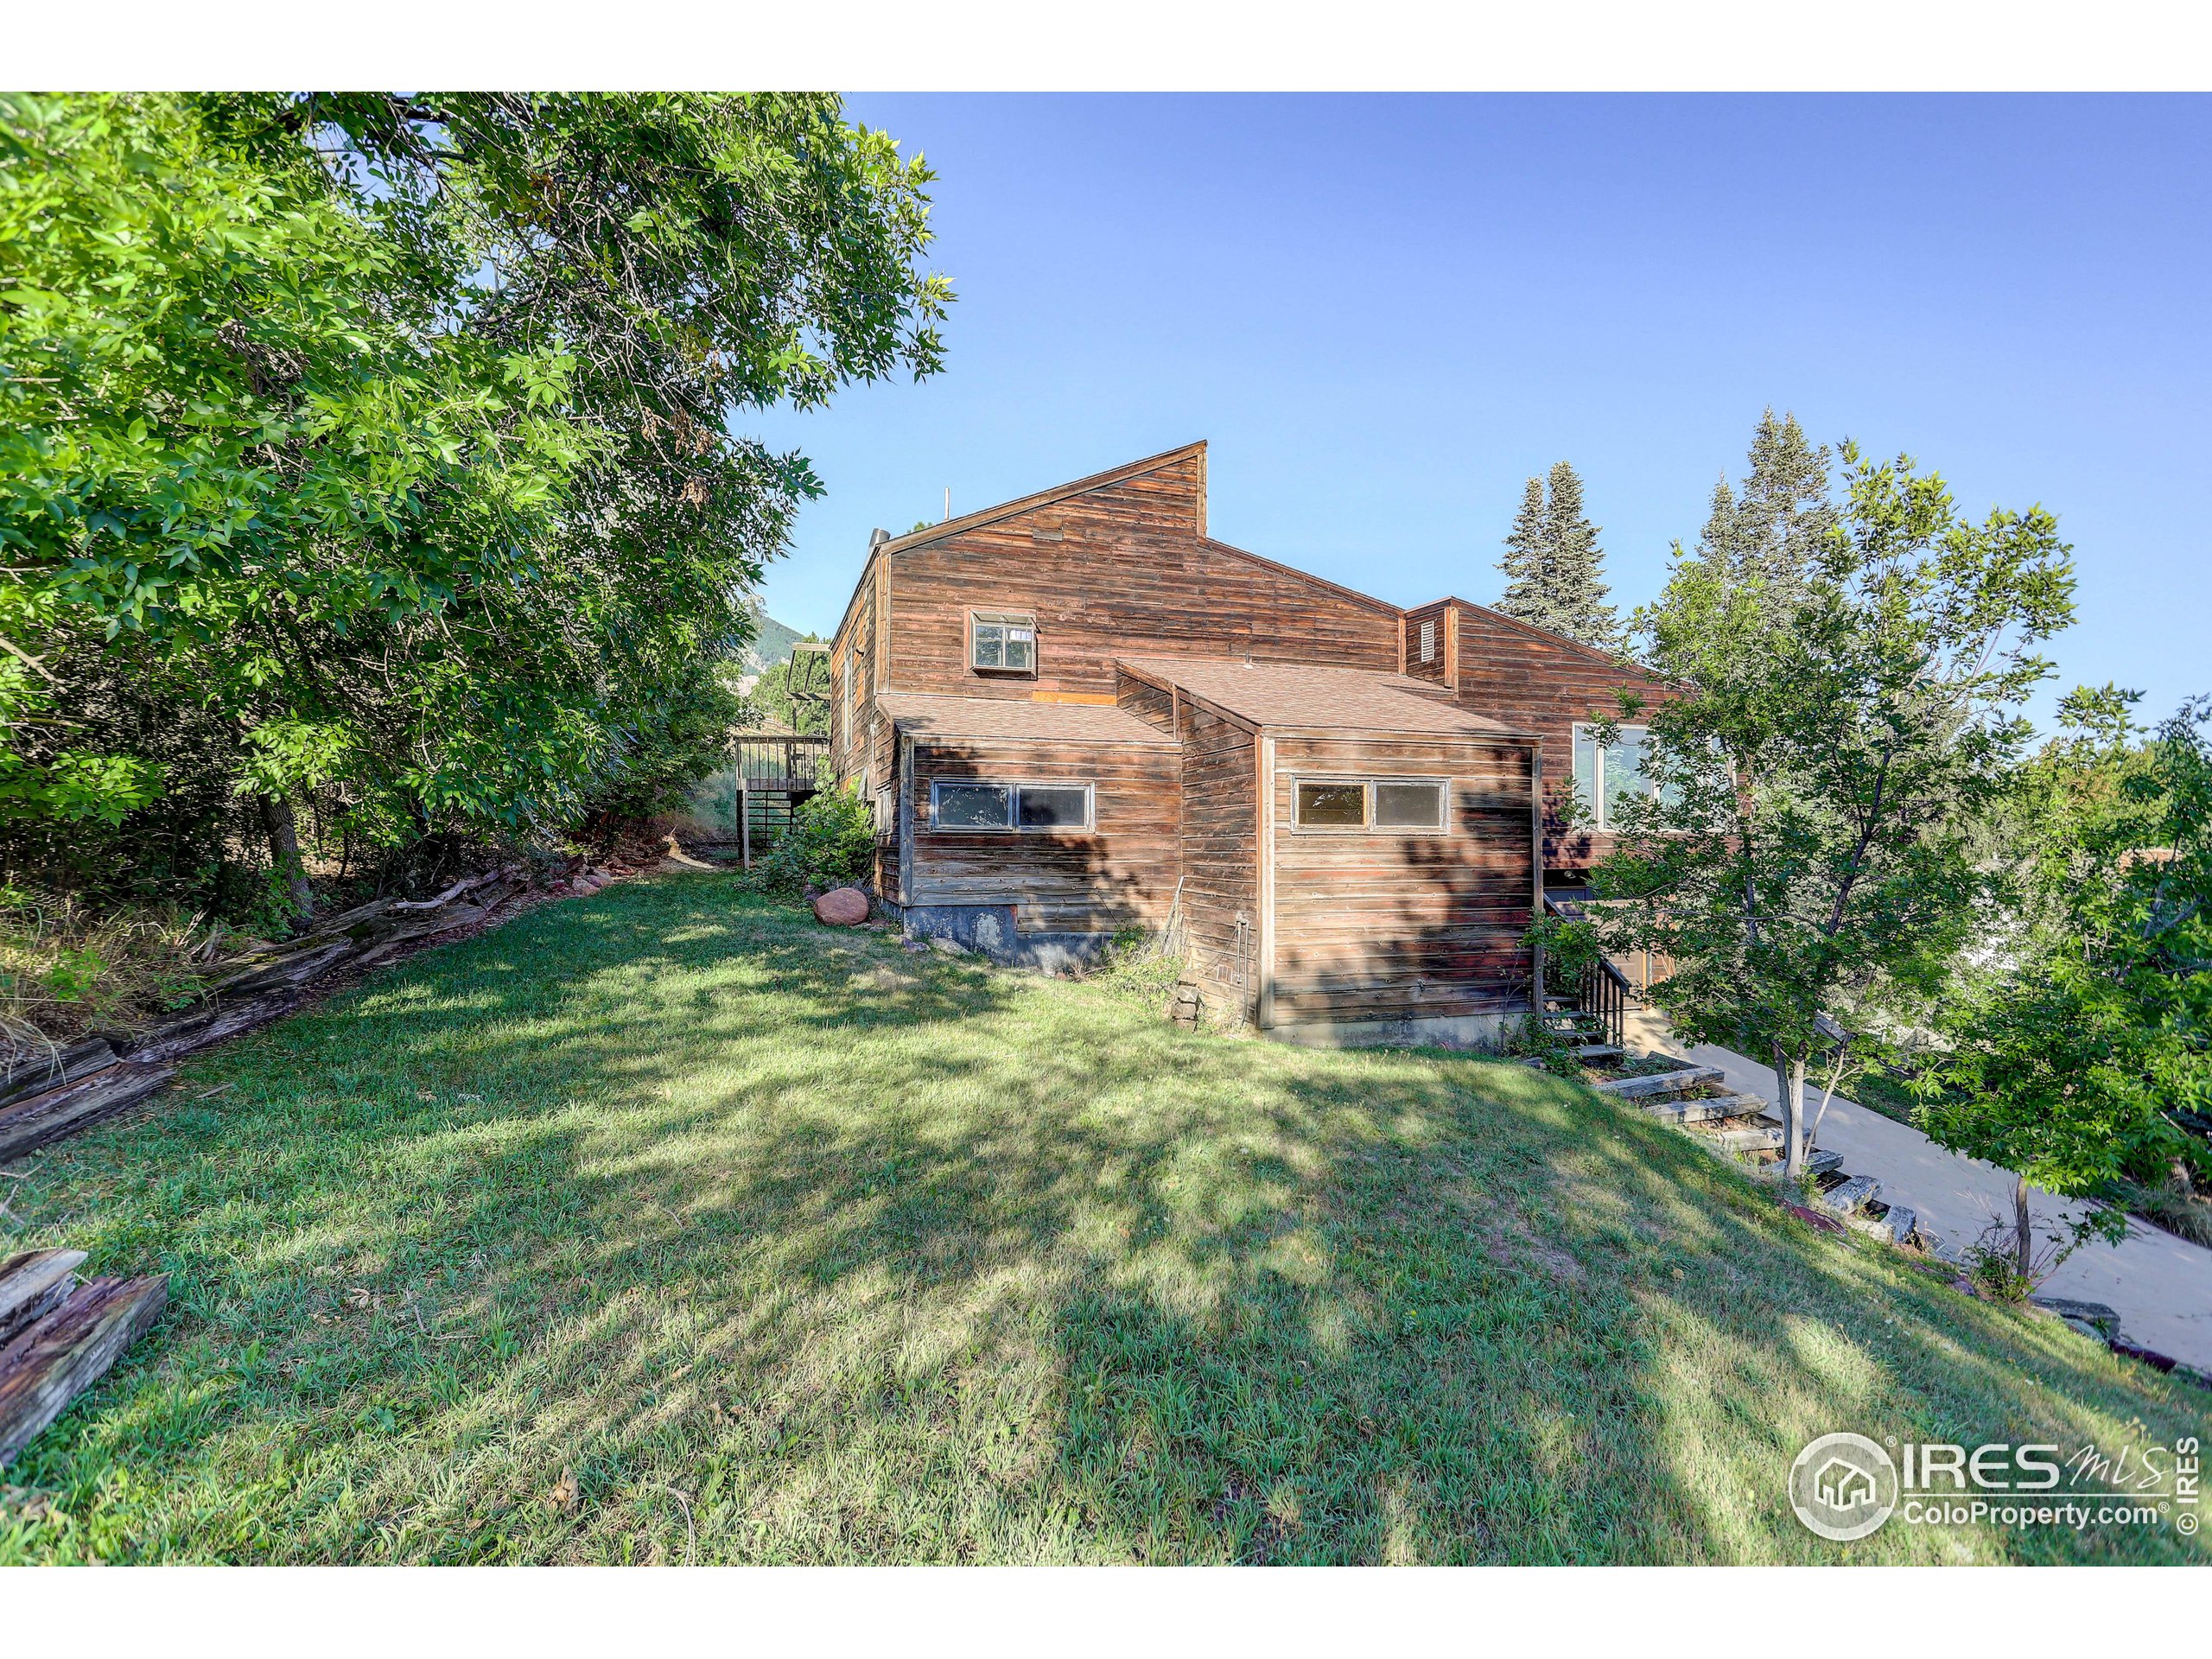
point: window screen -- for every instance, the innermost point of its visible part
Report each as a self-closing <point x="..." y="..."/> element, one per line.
<point x="1004" y="640"/>
<point x="972" y="806"/>
<point x="1053" y="806"/>
<point x="1409" y="804"/>
<point x="1334" y="806"/>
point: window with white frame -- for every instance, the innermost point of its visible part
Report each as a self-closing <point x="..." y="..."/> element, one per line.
<point x="1002" y="642"/>
<point x="1607" y="774"/>
<point x="1399" y="806"/>
<point x="1009" y="808"/>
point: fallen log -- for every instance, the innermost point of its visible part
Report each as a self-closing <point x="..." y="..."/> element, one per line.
<point x="34" y="1074"/>
<point x="32" y="1284"/>
<point x="29" y="1124"/>
<point x="46" y="1368"/>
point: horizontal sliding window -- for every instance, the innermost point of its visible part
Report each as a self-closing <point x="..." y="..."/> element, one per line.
<point x="1004" y="641"/>
<point x="1370" y="803"/>
<point x="1010" y="806"/>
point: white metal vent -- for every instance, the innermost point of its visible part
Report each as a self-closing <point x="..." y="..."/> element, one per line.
<point x="1428" y="640"/>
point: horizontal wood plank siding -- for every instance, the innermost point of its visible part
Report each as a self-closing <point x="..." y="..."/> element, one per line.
<point x="1120" y="873"/>
<point x="1373" y="925"/>
<point x="1220" y="853"/>
<point x="1122" y="568"/>
<point x="1536" y="684"/>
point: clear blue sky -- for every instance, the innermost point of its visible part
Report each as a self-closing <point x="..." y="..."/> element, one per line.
<point x="1386" y="312"/>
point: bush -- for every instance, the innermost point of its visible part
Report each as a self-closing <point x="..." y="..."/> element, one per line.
<point x="831" y="843"/>
<point x="1141" y="966"/>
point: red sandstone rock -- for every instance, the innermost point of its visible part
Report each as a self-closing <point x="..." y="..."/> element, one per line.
<point x="842" y="907"/>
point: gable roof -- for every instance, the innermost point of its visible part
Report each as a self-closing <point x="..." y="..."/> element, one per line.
<point x="983" y="516"/>
<point x="1317" y="699"/>
<point x="1016" y="718"/>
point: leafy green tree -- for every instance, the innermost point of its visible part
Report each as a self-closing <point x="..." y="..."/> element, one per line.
<point x="1553" y="567"/>
<point x="772" y="695"/>
<point x="2076" y="1069"/>
<point x="1806" y="856"/>
<point x="390" y="433"/>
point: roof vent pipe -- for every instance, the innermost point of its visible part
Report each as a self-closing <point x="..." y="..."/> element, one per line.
<point x="877" y="537"/>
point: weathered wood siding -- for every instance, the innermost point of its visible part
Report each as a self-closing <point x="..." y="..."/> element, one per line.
<point x="1220" y="858"/>
<point x="1122" y="568"/>
<point x="1376" y="925"/>
<point x="1120" y="873"/>
<point x="1536" y="682"/>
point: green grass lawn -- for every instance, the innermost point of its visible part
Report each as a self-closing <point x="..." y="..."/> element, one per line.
<point x="794" y="1247"/>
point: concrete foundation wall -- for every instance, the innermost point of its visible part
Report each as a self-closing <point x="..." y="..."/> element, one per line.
<point x="1432" y="1031"/>
<point x="989" y="930"/>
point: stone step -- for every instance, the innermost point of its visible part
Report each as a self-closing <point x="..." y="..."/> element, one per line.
<point x="1823" y="1163"/>
<point x="1843" y="1199"/>
<point x="1761" y="1139"/>
<point x="1658" y="1082"/>
<point x="1893" y="1226"/>
<point x="1599" y="1052"/>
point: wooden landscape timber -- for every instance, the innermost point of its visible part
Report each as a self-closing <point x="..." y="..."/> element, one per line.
<point x="70" y="1345"/>
<point x="45" y="1098"/>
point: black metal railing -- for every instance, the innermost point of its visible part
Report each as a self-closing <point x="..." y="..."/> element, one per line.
<point x="1599" y="989"/>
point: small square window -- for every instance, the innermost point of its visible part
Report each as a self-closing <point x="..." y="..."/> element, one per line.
<point x="1333" y="806"/>
<point x="1002" y="642"/>
<point x="1401" y="804"/>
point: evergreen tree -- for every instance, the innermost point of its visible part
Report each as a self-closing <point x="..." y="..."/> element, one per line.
<point x="1527" y="563"/>
<point x="1554" y="569"/>
<point x="1770" y="533"/>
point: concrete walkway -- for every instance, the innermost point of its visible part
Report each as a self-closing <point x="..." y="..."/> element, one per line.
<point x="2161" y="1286"/>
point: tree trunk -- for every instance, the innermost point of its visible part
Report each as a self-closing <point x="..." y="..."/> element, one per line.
<point x="2023" y="1240"/>
<point x="1789" y="1097"/>
<point x="284" y="831"/>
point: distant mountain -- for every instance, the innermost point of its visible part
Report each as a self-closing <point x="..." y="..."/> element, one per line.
<point x="772" y="642"/>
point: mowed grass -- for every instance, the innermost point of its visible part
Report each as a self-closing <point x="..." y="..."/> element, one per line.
<point x="667" y="1226"/>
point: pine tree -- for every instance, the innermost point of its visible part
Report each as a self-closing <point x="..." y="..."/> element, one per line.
<point x="1527" y="563"/>
<point x="1770" y="532"/>
<point x="1554" y="569"/>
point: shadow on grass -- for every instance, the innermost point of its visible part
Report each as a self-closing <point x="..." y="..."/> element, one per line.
<point x="792" y="1247"/>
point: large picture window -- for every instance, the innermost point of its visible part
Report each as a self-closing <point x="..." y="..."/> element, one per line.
<point x="1401" y="805"/>
<point x="1002" y="642"/>
<point x="1008" y="807"/>
<point x="1607" y="774"/>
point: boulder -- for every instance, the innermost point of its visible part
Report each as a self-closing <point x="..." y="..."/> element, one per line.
<point x="842" y="907"/>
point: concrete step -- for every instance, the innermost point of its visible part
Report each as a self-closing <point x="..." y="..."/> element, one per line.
<point x="1843" y="1199"/>
<point x="1659" y="1082"/>
<point x="1599" y="1052"/>
<point x="1823" y="1163"/>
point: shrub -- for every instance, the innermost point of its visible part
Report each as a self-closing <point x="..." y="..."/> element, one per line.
<point x="831" y="843"/>
<point x="1140" y="965"/>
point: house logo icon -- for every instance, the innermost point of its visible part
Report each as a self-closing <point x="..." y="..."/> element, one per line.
<point x="1843" y="1487"/>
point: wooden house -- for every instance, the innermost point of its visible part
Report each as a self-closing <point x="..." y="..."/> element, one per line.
<point x="1078" y="713"/>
